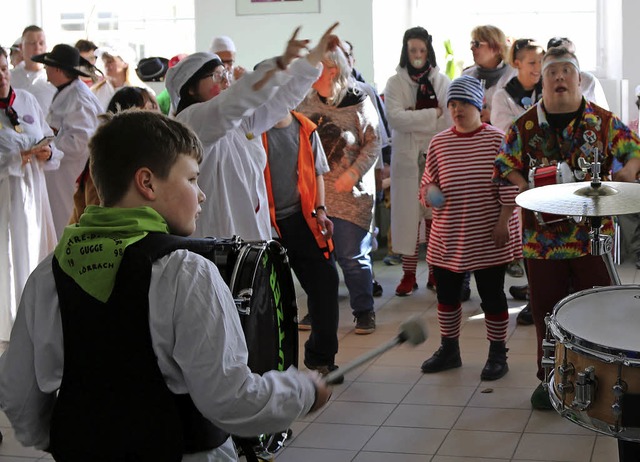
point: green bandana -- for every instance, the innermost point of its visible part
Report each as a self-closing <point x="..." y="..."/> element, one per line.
<point x="91" y="251"/>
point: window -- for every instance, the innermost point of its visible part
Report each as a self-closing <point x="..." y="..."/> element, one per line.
<point x="540" y="20"/>
<point x="151" y="27"/>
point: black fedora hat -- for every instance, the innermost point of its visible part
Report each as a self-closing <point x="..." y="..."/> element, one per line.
<point x="63" y="57"/>
<point x="152" y="69"/>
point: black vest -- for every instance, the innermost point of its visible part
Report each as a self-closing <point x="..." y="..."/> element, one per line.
<point x="113" y="403"/>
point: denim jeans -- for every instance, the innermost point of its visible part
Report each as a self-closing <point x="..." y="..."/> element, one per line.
<point x="353" y="253"/>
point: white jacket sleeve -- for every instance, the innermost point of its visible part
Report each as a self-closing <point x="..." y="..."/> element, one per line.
<point x="199" y="342"/>
<point x="287" y="97"/>
<point x="212" y="119"/>
<point x="399" y="100"/>
<point x="504" y="110"/>
<point x="26" y="396"/>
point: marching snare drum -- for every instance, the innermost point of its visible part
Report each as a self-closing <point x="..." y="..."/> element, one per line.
<point x="260" y="280"/>
<point x="544" y="176"/>
<point x="595" y="380"/>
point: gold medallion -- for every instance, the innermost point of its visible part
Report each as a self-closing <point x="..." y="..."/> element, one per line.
<point x="18" y="128"/>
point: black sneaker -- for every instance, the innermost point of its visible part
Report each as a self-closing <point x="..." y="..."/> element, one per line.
<point x="365" y="322"/>
<point x="305" y="323"/>
<point x="377" y="289"/>
<point x="324" y="371"/>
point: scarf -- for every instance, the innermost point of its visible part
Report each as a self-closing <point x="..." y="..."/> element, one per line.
<point x="91" y="251"/>
<point x="7" y="105"/>
<point x="490" y="76"/>
<point x="426" y="97"/>
<point x="523" y="98"/>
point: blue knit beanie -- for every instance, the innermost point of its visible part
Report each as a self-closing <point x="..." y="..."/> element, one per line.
<point x="468" y="89"/>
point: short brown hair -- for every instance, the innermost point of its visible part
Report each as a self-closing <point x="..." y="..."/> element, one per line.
<point x="132" y="139"/>
<point x="32" y="28"/>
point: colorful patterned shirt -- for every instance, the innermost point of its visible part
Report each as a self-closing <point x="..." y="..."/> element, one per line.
<point x="532" y="142"/>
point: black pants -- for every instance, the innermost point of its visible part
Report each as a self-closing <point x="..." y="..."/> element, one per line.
<point x="319" y="278"/>
<point x="489" y="281"/>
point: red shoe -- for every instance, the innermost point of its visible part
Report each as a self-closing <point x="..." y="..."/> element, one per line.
<point x="407" y="285"/>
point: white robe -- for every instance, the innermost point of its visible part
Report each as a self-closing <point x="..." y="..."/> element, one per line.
<point x="74" y="113"/>
<point x="35" y="82"/>
<point x="196" y="336"/>
<point x="230" y="127"/>
<point x="411" y="134"/>
<point x="26" y="226"/>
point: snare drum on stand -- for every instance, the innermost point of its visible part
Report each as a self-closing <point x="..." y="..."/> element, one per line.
<point x="594" y="373"/>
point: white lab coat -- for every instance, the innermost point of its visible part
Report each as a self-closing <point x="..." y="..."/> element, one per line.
<point x="192" y="317"/>
<point x="411" y="134"/>
<point x="74" y="113"/>
<point x="26" y="227"/>
<point x="230" y="128"/>
<point x="35" y="82"/>
<point x="504" y="109"/>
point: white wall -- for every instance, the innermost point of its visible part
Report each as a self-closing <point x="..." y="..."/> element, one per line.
<point x="389" y="25"/>
<point x="261" y="37"/>
<point x="629" y="46"/>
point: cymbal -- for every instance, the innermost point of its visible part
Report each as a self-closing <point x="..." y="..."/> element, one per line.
<point x="582" y="199"/>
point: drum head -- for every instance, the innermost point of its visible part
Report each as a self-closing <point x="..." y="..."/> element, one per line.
<point x="604" y="319"/>
<point x="270" y="327"/>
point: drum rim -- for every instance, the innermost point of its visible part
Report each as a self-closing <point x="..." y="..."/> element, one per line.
<point x="583" y="418"/>
<point x="595" y="350"/>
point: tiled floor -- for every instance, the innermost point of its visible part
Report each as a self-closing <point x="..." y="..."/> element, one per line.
<point x="387" y="410"/>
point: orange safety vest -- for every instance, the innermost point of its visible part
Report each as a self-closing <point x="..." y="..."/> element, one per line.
<point x="306" y="183"/>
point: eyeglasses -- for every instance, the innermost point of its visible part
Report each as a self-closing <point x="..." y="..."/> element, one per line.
<point x="219" y="76"/>
<point x="477" y="43"/>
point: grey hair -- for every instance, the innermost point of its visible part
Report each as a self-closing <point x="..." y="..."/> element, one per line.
<point x="343" y="80"/>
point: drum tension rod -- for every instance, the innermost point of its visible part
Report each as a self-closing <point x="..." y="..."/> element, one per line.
<point x="619" y="389"/>
<point x="548" y="352"/>
<point x="585" y="389"/>
<point x="565" y="370"/>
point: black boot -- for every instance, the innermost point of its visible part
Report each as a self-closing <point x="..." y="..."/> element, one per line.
<point x="447" y="357"/>
<point x="496" y="366"/>
<point x="525" y="317"/>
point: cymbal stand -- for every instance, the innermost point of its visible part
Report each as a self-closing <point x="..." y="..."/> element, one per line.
<point x="601" y="244"/>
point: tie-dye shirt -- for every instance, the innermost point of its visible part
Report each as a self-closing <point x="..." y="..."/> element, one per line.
<point x="532" y="142"/>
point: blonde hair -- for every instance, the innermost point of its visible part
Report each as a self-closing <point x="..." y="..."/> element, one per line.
<point x="494" y="37"/>
<point x="343" y="79"/>
<point x="521" y="45"/>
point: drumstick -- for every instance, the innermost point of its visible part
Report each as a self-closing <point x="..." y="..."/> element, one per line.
<point x="412" y="331"/>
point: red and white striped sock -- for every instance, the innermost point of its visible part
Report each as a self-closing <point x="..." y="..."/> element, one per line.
<point x="497" y="325"/>
<point x="450" y="320"/>
<point x="410" y="262"/>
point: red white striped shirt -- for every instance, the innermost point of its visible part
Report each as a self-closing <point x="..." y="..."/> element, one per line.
<point x="461" y="165"/>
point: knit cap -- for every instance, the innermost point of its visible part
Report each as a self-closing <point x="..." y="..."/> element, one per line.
<point x="222" y="43"/>
<point x="468" y="89"/>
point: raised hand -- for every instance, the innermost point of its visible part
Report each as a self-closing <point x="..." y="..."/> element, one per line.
<point x="328" y="42"/>
<point x="293" y="49"/>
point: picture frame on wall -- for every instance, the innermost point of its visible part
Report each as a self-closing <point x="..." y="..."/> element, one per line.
<point x="249" y="7"/>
